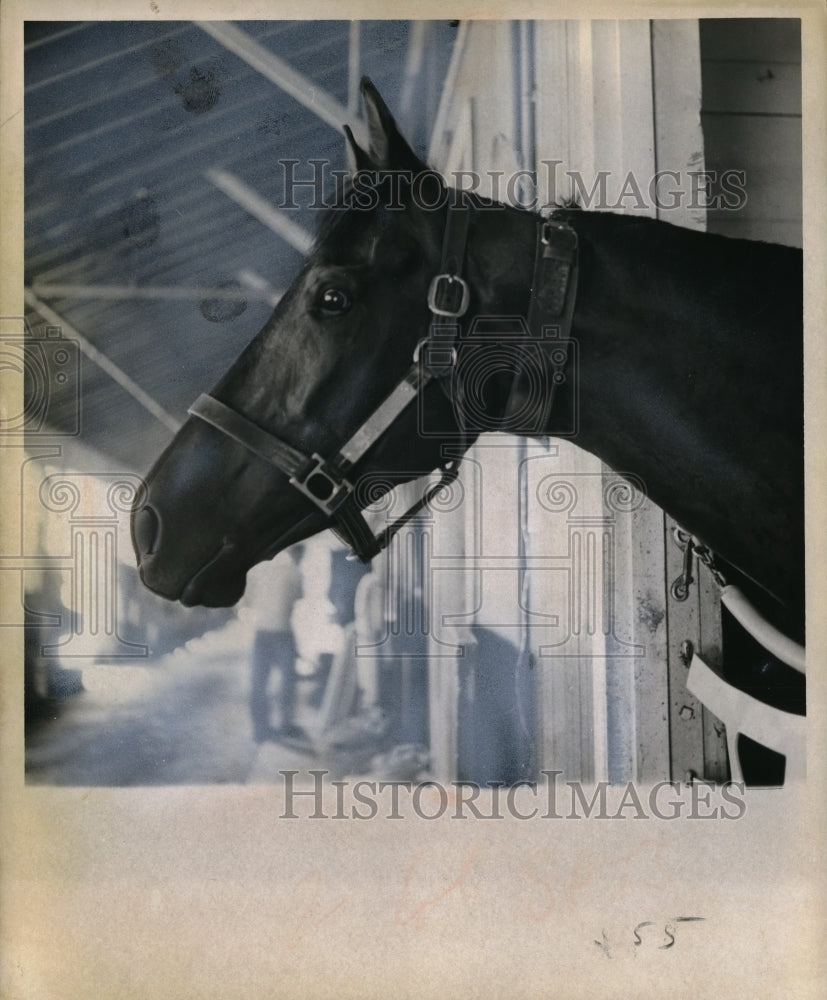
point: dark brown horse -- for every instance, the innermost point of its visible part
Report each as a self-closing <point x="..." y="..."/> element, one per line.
<point x="681" y="365"/>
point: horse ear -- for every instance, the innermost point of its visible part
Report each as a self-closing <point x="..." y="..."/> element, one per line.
<point x="388" y="149"/>
<point x="361" y="158"/>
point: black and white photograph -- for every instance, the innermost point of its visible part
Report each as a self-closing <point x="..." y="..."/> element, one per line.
<point x="405" y="558"/>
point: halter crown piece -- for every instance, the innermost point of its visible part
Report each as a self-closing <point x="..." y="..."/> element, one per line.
<point x="324" y="480"/>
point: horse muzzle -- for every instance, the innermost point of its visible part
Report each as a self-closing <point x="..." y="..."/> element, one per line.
<point x="173" y="563"/>
<point x="218" y="583"/>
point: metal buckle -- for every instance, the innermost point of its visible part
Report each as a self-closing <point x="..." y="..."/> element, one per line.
<point x="563" y="248"/>
<point x="548" y="227"/>
<point x="444" y="292"/>
<point x="326" y="489"/>
<point x="435" y="358"/>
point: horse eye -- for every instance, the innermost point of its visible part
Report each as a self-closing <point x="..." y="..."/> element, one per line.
<point x="334" y="301"/>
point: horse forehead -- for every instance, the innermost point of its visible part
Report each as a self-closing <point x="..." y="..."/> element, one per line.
<point x="364" y="236"/>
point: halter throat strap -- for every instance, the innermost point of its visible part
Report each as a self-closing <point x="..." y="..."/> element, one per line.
<point x="549" y="321"/>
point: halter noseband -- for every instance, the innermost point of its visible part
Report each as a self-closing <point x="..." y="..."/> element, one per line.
<point x="323" y="480"/>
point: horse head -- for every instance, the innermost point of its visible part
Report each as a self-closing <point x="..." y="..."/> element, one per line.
<point x="366" y="371"/>
<point x="339" y="343"/>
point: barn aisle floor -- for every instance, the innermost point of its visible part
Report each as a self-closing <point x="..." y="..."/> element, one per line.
<point x="183" y="720"/>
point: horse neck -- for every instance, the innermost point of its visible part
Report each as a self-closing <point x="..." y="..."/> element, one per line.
<point x="673" y="349"/>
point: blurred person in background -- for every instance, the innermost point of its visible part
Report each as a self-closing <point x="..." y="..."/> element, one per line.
<point x="275" y="645"/>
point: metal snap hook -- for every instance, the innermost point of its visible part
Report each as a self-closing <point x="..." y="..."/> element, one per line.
<point x="680" y="586"/>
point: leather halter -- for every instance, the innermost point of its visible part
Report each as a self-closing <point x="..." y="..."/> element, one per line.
<point x="324" y="480"/>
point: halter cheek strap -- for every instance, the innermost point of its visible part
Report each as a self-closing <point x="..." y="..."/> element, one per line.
<point x="324" y="480"/>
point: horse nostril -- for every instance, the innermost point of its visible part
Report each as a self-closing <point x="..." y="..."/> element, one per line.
<point x="146" y="528"/>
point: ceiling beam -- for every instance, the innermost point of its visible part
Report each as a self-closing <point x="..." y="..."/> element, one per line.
<point x="279" y="72"/>
<point x="73" y="290"/>
<point x="104" y="363"/>
<point x="412" y="73"/>
<point x="354" y="71"/>
<point x="251" y="201"/>
<point x="260" y="287"/>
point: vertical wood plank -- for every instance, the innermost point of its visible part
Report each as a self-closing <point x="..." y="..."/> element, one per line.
<point x="650" y="631"/>
<point x="571" y="680"/>
<point x="679" y="138"/>
<point x="443" y="598"/>
<point x="686" y="734"/>
<point x="605" y="84"/>
<point x="479" y="134"/>
<point x="563" y="527"/>
<point x="697" y="743"/>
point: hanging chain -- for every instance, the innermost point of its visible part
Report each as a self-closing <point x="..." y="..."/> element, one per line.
<point x="707" y="557"/>
<point x="692" y="546"/>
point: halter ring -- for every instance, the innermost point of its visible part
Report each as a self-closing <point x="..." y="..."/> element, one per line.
<point x="325" y="488"/>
